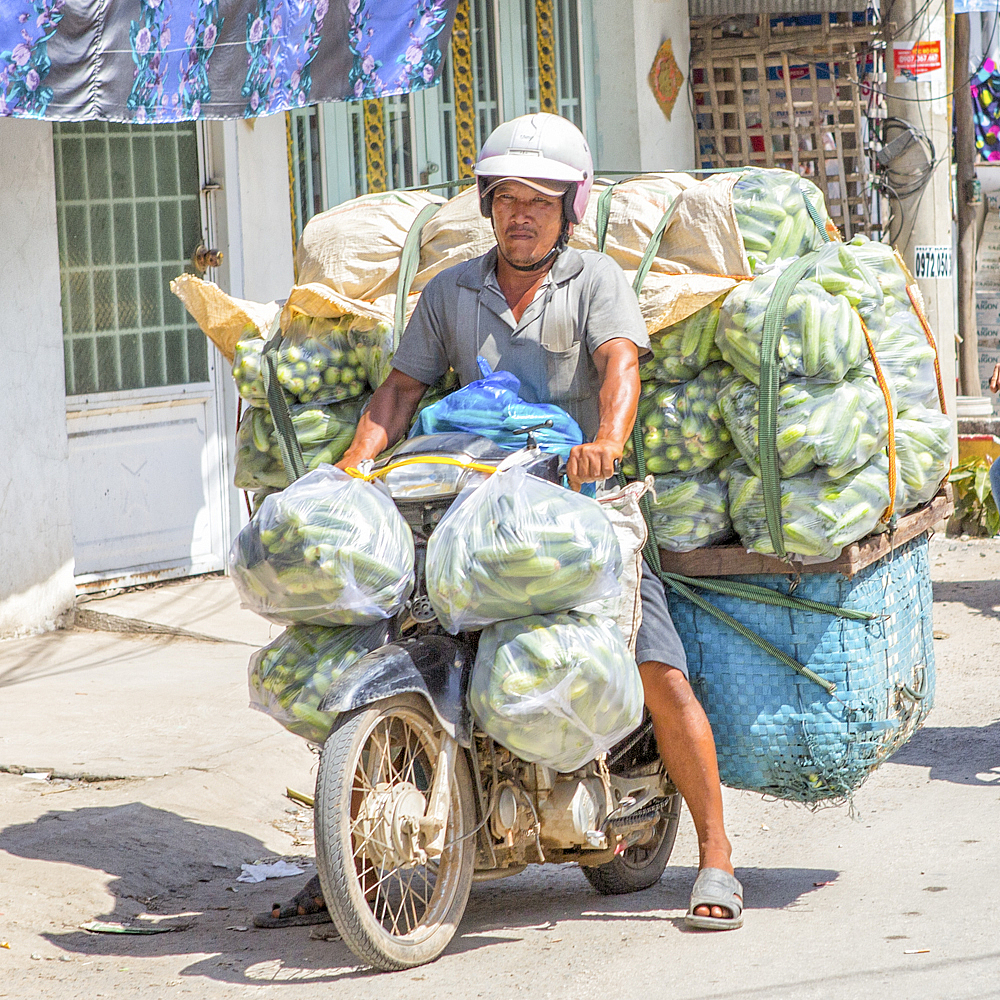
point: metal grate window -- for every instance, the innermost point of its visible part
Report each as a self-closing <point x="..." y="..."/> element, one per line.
<point x="129" y="216"/>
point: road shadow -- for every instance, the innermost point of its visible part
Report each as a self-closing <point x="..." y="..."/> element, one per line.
<point x="171" y="867"/>
<point x="161" y="863"/>
<point x="541" y="896"/>
<point x="981" y="596"/>
<point x="966" y="755"/>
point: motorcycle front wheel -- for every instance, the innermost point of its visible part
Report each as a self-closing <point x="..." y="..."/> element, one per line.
<point x="392" y="914"/>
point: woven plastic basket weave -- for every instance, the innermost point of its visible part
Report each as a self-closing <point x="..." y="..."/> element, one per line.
<point x="780" y="734"/>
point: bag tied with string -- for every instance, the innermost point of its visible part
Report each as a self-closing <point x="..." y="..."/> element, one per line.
<point x="556" y="690"/>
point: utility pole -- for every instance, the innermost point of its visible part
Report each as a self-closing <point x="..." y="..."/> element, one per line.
<point x="967" y="198"/>
<point x="927" y="217"/>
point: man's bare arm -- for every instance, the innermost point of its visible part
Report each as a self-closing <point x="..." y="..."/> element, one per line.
<point x="617" y="363"/>
<point x="387" y="418"/>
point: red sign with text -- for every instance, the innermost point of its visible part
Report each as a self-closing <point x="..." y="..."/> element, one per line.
<point x="924" y="57"/>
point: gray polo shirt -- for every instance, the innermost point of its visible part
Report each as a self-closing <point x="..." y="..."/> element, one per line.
<point x="584" y="301"/>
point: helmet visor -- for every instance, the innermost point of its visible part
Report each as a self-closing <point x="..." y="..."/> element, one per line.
<point x="554" y="189"/>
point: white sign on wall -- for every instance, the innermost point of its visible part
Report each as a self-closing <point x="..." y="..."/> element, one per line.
<point x="932" y="262"/>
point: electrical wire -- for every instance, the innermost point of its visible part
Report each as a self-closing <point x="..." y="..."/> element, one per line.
<point x="965" y="86"/>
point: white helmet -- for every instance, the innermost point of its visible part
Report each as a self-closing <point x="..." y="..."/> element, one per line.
<point x="533" y="148"/>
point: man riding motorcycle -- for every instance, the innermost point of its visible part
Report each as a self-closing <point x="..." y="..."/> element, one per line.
<point x="568" y="325"/>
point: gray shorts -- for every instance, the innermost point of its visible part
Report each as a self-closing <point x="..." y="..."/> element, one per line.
<point x="657" y="639"/>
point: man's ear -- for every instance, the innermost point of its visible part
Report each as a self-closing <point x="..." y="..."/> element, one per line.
<point x="570" y="226"/>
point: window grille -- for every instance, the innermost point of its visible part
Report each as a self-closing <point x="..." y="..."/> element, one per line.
<point x="129" y="217"/>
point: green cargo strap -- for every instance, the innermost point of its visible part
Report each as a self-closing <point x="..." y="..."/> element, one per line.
<point x="680" y="584"/>
<point x="288" y="442"/>
<point x="764" y="595"/>
<point x="409" y="261"/>
<point x="767" y="421"/>
<point x="747" y="633"/>
<point x="816" y="217"/>
<point x="652" y="249"/>
<point x="604" y="214"/>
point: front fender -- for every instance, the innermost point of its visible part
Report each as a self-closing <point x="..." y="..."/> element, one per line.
<point x="436" y="666"/>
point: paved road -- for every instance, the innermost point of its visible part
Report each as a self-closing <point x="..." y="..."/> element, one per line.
<point x="898" y="897"/>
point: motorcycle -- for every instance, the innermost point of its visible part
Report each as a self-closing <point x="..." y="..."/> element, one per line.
<point x="414" y="803"/>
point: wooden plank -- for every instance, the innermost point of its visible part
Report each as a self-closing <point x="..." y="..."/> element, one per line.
<point x="794" y="142"/>
<point x="733" y="560"/>
<point x="741" y="121"/>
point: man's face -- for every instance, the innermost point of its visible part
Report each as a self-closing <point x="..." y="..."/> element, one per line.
<point x="526" y="222"/>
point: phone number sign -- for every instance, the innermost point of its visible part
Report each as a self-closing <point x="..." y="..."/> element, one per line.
<point x="932" y="262"/>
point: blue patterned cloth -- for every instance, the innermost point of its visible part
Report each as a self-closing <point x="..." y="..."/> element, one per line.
<point x="178" y="60"/>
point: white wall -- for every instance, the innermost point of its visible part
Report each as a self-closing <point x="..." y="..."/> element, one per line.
<point x="632" y="131"/>
<point x="36" y="535"/>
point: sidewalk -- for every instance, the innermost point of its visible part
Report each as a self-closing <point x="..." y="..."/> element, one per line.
<point x="128" y="704"/>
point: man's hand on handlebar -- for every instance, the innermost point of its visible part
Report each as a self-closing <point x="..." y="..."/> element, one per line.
<point x="594" y="462"/>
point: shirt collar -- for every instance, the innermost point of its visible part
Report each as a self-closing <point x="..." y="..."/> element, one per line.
<point x="567" y="265"/>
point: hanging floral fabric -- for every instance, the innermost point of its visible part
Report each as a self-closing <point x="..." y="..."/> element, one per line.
<point x="179" y="60"/>
<point x="985" y="88"/>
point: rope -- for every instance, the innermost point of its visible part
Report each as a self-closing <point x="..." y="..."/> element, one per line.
<point x="604" y="214"/>
<point x="887" y="396"/>
<point x="419" y="460"/>
<point x="919" y="310"/>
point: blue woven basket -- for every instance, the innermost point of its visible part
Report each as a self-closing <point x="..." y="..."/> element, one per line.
<point x="780" y="734"/>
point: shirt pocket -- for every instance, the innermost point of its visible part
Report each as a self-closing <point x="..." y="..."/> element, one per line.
<point x="564" y="354"/>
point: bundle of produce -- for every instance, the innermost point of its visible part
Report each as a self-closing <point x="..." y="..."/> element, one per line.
<point x="518" y="545"/>
<point x="882" y="262"/>
<point x="821" y="338"/>
<point x="924" y="449"/>
<point x="328" y="550"/>
<point x="819" y="515"/>
<point x="907" y="360"/>
<point x="323" y="432"/>
<point x="246" y="370"/>
<point x="692" y="511"/>
<point x="289" y="677"/>
<point x="903" y="349"/>
<point x="841" y="269"/>
<point x="492" y="408"/>
<point x="556" y="690"/>
<point x="684" y="349"/>
<point x="774" y="220"/>
<point x="323" y="360"/>
<point x="260" y="496"/>
<point x="682" y="427"/>
<point x="835" y="424"/>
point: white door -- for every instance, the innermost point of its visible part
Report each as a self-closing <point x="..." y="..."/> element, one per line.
<point x="143" y="390"/>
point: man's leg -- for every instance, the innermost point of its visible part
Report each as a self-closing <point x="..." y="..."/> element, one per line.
<point x="685" y="741"/>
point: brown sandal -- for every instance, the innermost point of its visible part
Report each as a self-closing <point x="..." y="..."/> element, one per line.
<point x="305" y="907"/>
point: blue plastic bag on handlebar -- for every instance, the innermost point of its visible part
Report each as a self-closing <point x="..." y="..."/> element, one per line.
<point x="492" y="408"/>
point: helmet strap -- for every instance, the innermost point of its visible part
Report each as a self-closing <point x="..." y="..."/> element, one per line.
<point x="547" y="259"/>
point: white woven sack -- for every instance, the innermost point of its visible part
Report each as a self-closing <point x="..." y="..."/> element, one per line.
<point x="623" y="510"/>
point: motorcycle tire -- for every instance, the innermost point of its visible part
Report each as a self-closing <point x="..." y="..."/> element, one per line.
<point x="640" y="866"/>
<point x="391" y="917"/>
